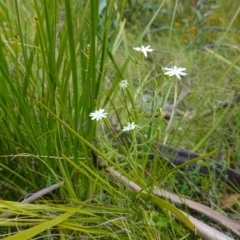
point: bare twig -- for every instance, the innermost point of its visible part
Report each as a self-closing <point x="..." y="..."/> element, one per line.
<point x="34" y="196"/>
<point x="205" y="231"/>
<point x="215" y="216"/>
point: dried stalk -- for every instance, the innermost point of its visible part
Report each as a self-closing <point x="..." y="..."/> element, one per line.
<point x="205" y="231"/>
<point x="34" y="196"/>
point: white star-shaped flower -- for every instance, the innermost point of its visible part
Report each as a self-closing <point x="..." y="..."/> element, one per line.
<point x="98" y="114"/>
<point x="123" y="84"/>
<point x="178" y="72"/>
<point x="143" y="49"/>
<point x="130" y="126"/>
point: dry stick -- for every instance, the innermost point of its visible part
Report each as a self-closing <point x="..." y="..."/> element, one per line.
<point x="205" y="231"/>
<point x="34" y="196"/>
<point x="217" y="217"/>
<point x="178" y="156"/>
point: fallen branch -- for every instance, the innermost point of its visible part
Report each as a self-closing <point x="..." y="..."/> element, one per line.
<point x="205" y="231"/>
<point x="34" y="196"/>
<point x="215" y="216"/>
<point x="178" y="156"/>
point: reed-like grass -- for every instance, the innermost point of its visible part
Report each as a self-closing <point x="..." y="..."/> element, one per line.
<point x="61" y="61"/>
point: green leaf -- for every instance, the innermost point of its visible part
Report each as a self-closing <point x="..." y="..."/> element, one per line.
<point x="164" y="204"/>
<point x="27" y="234"/>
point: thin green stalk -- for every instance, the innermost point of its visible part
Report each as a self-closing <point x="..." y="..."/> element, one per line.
<point x="172" y="21"/>
<point x="71" y="45"/>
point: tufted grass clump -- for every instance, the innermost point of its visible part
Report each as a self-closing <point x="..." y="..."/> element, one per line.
<point x="74" y="76"/>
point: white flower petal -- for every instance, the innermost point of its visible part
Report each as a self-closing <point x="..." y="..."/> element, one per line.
<point x="98" y="114"/>
<point x="130" y="126"/>
<point x="123" y="84"/>
<point x="144" y="50"/>
<point x="175" y="71"/>
<point x="137" y="49"/>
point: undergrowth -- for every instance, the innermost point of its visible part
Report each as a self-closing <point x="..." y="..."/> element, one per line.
<point x="60" y="61"/>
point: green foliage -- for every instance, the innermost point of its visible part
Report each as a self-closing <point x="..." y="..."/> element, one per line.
<point x="62" y="60"/>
